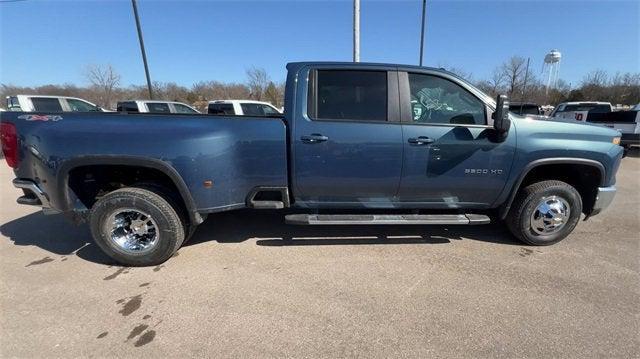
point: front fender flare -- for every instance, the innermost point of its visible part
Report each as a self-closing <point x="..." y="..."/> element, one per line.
<point x="504" y="210"/>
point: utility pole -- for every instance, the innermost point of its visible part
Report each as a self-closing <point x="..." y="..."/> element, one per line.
<point x="524" y="86"/>
<point x="144" y="54"/>
<point x="356" y="30"/>
<point x="424" y="7"/>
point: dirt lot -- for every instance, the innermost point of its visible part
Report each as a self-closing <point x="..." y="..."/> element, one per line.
<point x="239" y="290"/>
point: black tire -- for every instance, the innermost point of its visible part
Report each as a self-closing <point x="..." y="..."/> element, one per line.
<point x="519" y="219"/>
<point x="170" y="228"/>
<point x="173" y="199"/>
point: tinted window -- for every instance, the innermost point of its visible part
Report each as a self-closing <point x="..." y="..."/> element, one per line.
<point x="158" y="107"/>
<point x="80" y="106"/>
<point x="183" y="109"/>
<point x="129" y="106"/>
<point x="251" y="109"/>
<point x="268" y="110"/>
<point x="524" y="109"/>
<point x="13" y="104"/>
<point x="592" y="108"/>
<point x="348" y="95"/>
<point x="220" y="109"/>
<point x="46" y="104"/>
<point x="437" y="100"/>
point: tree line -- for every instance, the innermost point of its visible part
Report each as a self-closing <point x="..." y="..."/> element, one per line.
<point x="521" y="84"/>
<point x="105" y="87"/>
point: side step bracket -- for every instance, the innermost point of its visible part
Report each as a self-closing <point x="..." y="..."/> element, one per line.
<point x="396" y="219"/>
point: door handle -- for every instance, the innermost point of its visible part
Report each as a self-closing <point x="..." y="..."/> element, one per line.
<point x="314" y="138"/>
<point x="420" y="141"/>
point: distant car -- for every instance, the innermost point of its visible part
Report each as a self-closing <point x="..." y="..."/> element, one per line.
<point x="152" y="106"/>
<point x="42" y="103"/>
<point x="580" y="110"/>
<point x="242" y="108"/>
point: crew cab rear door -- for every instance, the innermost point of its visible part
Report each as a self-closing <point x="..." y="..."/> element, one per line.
<point x="347" y="138"/>
<point x="451" y="156"/>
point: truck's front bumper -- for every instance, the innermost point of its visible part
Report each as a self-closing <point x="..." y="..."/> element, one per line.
<point x="33" y="195"/>
<point x="603" y="199"/>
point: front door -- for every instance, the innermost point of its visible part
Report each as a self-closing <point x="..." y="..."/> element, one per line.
<point x="347" y="142"/>
<point x="451" y="156"/>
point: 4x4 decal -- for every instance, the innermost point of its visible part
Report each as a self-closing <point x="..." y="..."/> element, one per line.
<point x="40" y="117"/>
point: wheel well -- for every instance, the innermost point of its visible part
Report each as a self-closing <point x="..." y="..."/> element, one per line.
<point x="584" y="178"/>
<point x="90" y="183"/>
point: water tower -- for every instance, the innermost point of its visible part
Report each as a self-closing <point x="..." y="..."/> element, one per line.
<point x="551" y="68"/>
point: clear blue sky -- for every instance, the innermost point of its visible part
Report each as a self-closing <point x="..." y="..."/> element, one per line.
<point x="43" y="42"/>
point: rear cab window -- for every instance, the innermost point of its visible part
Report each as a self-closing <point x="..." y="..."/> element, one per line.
<point x="348" y="95"/>
<point x="220" y="109"/>
<point x="46" y="104"/>
<point x="524" y="109"/>
<point x="158" y="107"/>
<point x="128" y="106"/>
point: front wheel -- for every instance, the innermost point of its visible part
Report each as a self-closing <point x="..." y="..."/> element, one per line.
<point x="545" y="213"/>
<point x="136" y="227"/>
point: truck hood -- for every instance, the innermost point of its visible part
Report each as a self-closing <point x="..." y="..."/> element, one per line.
<point x="569" y="129"/>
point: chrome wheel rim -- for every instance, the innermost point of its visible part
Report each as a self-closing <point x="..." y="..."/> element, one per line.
<point x="132" y="231"/>
<point x="551" y="214"/>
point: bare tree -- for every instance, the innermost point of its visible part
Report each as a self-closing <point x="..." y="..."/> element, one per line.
<point x="595" y="78"/>
<point x="104" y="79"/>
<point x="514" y="72"/>
<point x="494" y="85"/>
<point x="257" y="80"/>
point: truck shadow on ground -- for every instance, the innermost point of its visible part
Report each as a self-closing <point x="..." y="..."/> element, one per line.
<point x="268" y="229"/>
<point x="56" y="235"/>
<point x="634" y="152"/>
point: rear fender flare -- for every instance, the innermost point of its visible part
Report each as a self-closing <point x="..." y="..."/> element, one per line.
<point x="134" y="161"/>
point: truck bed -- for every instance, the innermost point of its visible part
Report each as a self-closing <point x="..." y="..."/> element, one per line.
<point x="235" y="153"/>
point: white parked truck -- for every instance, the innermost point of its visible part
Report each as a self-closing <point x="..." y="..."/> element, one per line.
<point x="43" y="103"/>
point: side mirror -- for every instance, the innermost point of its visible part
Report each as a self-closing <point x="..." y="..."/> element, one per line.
<point x="501" y="122"/>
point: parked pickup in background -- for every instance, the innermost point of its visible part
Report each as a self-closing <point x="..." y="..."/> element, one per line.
<point x="153" y="106"/>
<point x="357" y="144"/>
<point x="42" y="103"/>
<point x="579" y="111"/>
<point x="627" y="122"/>
<point x="242" y="108"/>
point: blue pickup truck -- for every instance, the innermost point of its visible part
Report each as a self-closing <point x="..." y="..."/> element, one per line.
<point x="357" y="144"/>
